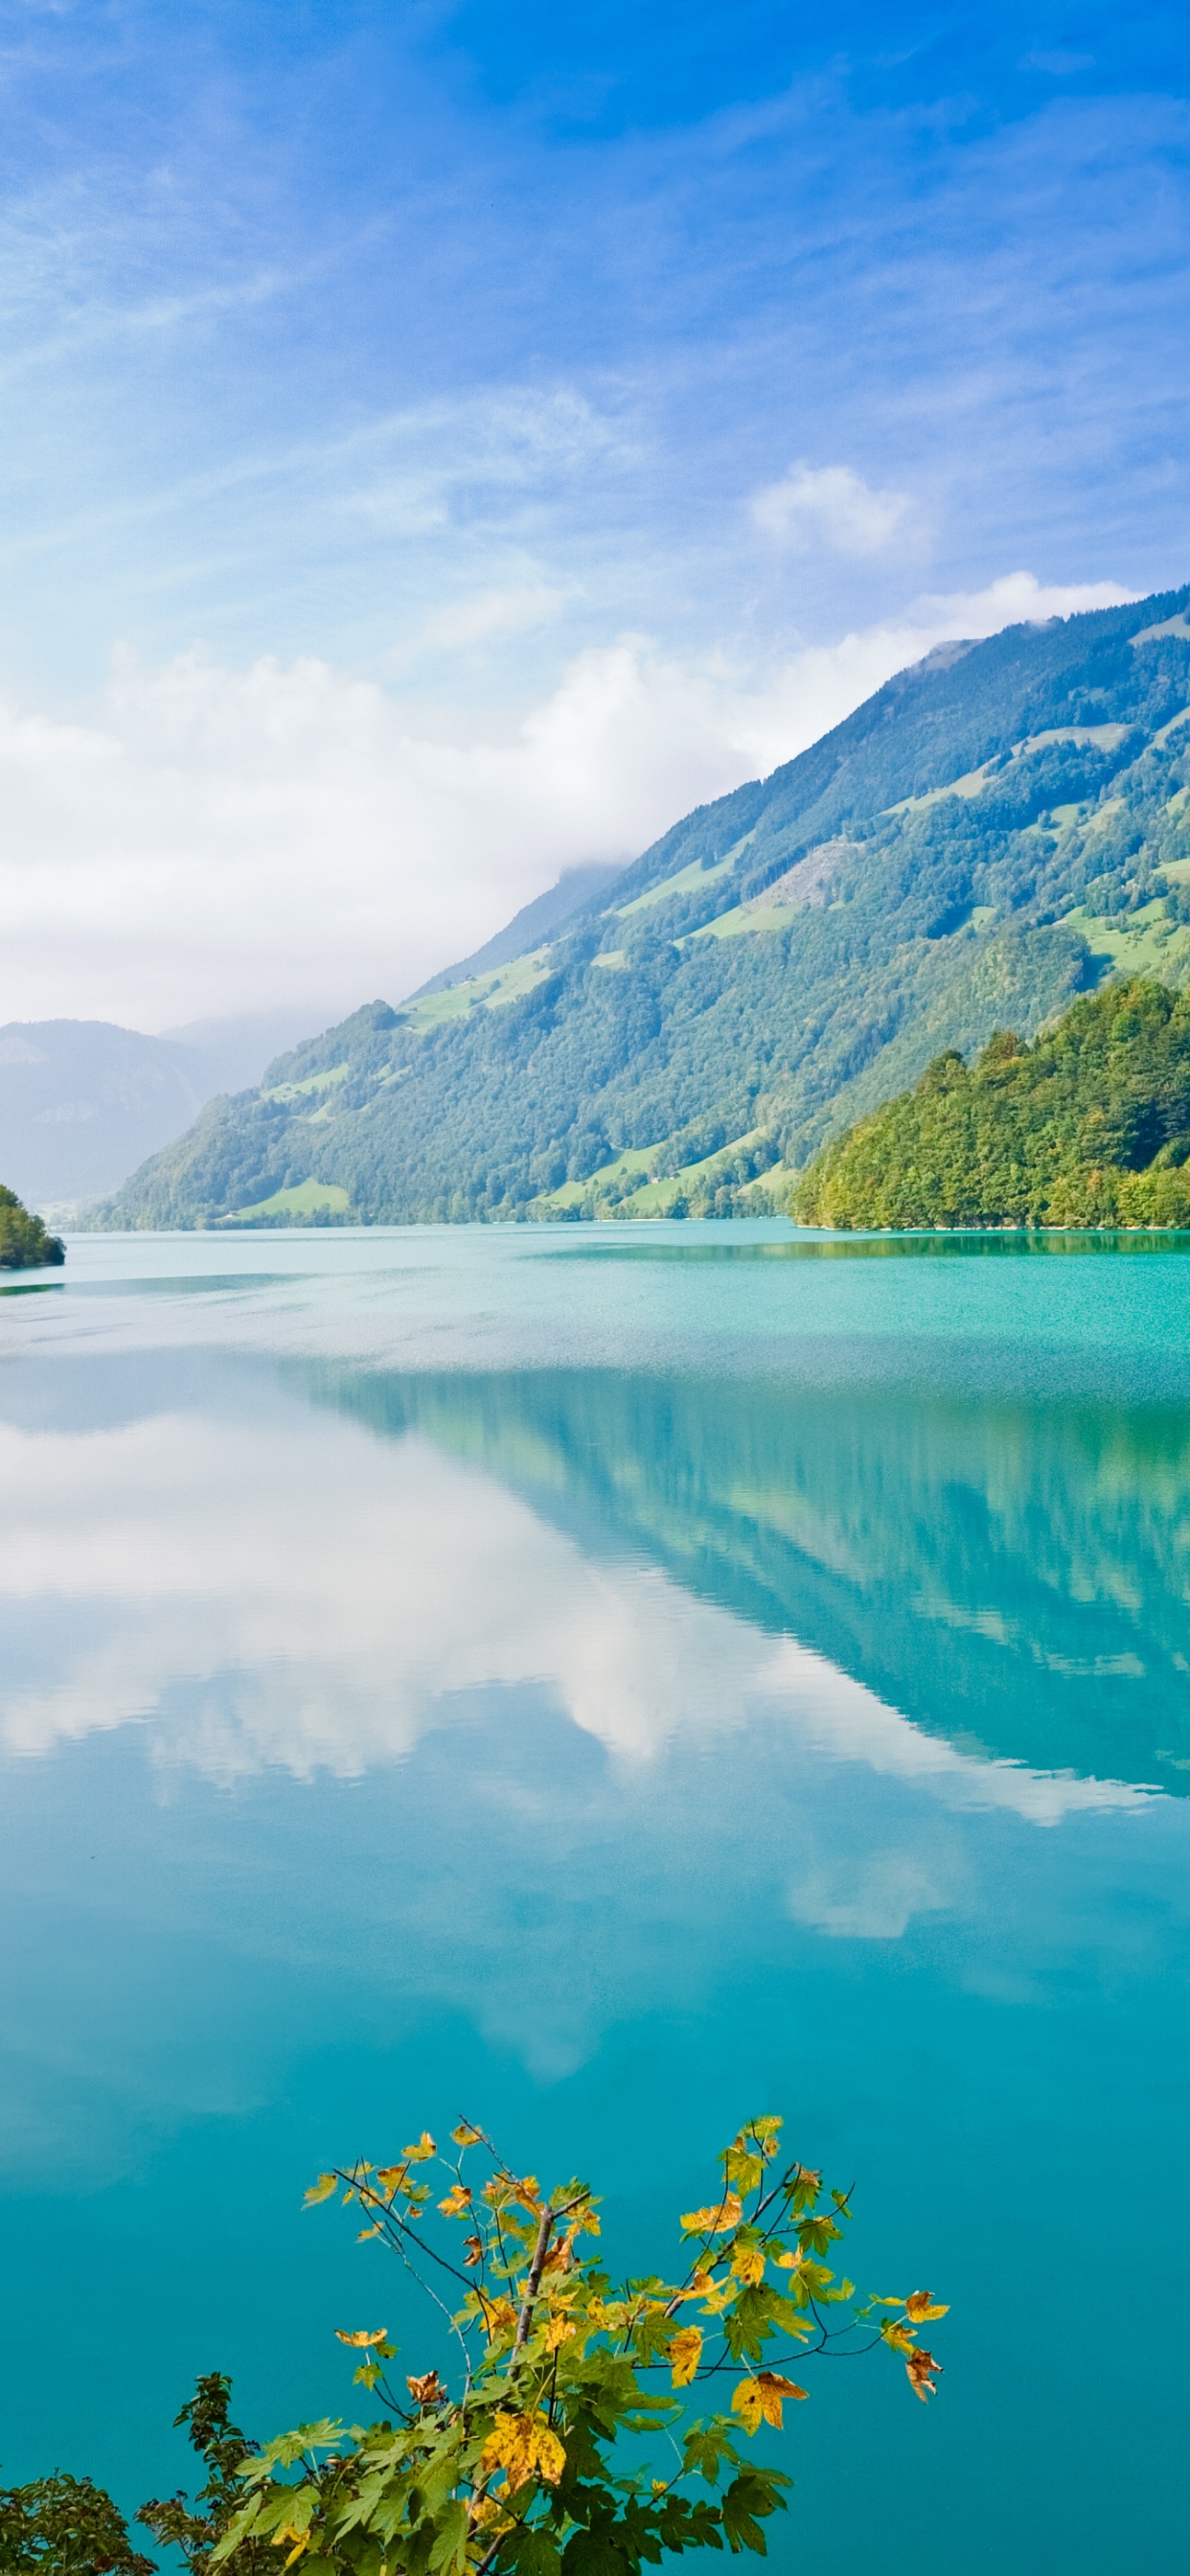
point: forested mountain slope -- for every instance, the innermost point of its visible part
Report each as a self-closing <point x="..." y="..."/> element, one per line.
<point x="995" y="831"/>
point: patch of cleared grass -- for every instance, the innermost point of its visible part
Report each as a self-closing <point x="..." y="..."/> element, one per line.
<point x="302" y="1199"/>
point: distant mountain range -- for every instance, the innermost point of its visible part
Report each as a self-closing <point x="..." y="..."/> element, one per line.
<point x="83" y="1101"/>
<point x="999" y="829"/>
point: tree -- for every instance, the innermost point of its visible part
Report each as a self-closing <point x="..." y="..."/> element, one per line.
<point x="62" y="2526"/>
<point x="196" y="2529"/>
<point x="514" y="2465"/>
<point x="24" y="1242"/>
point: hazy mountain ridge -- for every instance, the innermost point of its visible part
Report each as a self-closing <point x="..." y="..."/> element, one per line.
<point x="83" y="1101"/>
<point x="992" y="833"/>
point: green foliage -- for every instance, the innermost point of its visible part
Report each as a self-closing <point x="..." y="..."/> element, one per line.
<point x="196" y="2529"/>
<point x="62" y="2526"/>
<point x="24" y="1242"/>
<point x="978" y="842"/>
<point x="513" y="2467"/>
<point x="1088" y="1126"/>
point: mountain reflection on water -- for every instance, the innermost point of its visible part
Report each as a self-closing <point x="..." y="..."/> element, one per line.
<point x="665" y="1554"/>
<point x="1011" y="1575"/>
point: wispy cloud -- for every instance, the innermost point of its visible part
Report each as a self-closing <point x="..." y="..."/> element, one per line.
<point x="833" y="507"/>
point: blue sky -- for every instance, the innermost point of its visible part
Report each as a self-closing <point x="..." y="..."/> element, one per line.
<point x="457" y="351"/>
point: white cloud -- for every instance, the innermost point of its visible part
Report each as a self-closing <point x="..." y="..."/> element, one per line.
<point x="829" y="506"/>
<point x="217" y="840"/>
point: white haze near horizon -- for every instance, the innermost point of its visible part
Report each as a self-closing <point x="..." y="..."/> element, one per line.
<point x="205" y="840"/>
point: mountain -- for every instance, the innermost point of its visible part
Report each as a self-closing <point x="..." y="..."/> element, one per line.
<point x="548" y="913"/>
<point x="83" y="1101"/>
<point x="1088" y="1126"/>
<point x="999" y="829"/>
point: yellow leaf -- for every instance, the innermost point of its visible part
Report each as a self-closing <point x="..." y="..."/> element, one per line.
<point x="719" y="2296"/>
<point x="559" y="2331"/>
<point x="525" y="2447"/>
<point x="425" y="2147"/>
<point x="392" y="2176"/>
<point x="921" y="2307"/>
<point x="322" y="2189"/>
<point x="457" y="2200"/>
<point x="301" y="2540"/>
<point x="773" y="2387"/>
<point x="365" y="2232"/>
<point x="466" y="2134"/>
<point x="361" y="2341"/>
<point x="749" y="2264"/>
<point x="685" y="2353"/>
<point x="606" y="2315"/>
<point x="899" y="2337"/>
<point x="746" y="2403"/>
<point x="714" y="2222"/>
<point x="485" y="2509"/>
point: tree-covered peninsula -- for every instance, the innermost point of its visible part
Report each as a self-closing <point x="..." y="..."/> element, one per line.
<point x="24" y="1242"/>
<point x="1088" y="1126"/>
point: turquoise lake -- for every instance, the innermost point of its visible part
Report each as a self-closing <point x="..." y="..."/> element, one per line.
<point x="609" y="1681"/>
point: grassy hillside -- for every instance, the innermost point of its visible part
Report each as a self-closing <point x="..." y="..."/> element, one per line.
<point x="993" y="833"/>
<point x="1088" y="1126"/>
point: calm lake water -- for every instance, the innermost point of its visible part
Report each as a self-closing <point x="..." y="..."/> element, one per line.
<point x="609" y="1682"/>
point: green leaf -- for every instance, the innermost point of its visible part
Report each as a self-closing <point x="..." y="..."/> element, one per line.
<point x="593" y="2553"/>
<point x="815" y="2234"/>
<point x="708" y="2446"/>
<point x="752" y="2493"/>
<point x="450" y="2542"/>
<point x="532" y="2552"/>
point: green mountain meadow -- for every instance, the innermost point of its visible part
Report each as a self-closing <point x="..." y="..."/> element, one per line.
<point x="999" y="830"/>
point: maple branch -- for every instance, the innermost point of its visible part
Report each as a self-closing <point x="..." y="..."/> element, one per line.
<point x="537" y="2267"/>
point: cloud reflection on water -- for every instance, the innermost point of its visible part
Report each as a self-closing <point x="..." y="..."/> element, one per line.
<point x="296" y="1593"/>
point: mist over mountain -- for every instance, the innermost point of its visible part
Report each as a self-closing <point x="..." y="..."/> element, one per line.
<point x="82" y="1102"/>
<point x="575" y="892"/>
<point x="998" y="829"/>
